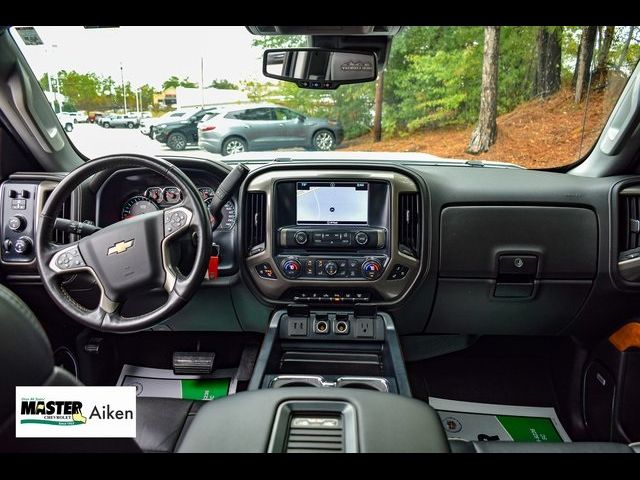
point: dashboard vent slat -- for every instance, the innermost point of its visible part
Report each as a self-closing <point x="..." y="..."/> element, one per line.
<point x="255" y="220"/>
<point x="629" y="219"/>
<point x="410" y="220"/>
<point x="59" y="236"/>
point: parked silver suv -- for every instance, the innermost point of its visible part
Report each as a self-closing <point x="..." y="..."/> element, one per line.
<point x="266" y="127"/>
<point x="129" y="121"/>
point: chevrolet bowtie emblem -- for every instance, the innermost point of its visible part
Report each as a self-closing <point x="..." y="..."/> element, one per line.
<point x="120" y="247"/>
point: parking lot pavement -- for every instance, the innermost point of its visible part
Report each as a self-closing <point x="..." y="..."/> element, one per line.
<point x="95" y="141"/>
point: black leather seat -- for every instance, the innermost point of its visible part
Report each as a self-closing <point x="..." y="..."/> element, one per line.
<point x="26" y="359"/>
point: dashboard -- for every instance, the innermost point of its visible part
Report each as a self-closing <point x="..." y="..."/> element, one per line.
<point x="449" y="249"/>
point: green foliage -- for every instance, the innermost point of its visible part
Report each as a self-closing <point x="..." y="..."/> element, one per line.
<point x="434" y="75"/>
<point x="279" y="41"/>
<point x="223" y="84"/>
<point x="173" y="82"/>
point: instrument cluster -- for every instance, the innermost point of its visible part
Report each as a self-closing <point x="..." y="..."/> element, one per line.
<point x="158" y="198"/>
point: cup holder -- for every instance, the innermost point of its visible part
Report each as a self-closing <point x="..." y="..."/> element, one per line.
<point x="363" y="383"/>
<point x="283" y="381"/>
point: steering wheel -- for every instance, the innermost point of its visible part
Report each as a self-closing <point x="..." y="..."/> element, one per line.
<point x="129" y="257"/>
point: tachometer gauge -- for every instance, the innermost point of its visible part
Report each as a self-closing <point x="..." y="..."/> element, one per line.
<point x="137" y="205"/>
<point x="154" y="193"/>
<point x="228" y="213"/>
<point x="172" y="195"/>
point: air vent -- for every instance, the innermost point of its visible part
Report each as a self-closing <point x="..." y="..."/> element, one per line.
<point x="409" y="219"/>
<point x="256" y="208"/>
<point x="315" y="434"/>
<point x="59" y="236"/>
<point x="629" y="234"/>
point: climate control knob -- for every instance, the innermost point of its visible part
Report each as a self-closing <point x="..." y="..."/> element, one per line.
<point x="291" y="268"/>
<point x="331" y="268"/>
<point x="17" y="223"/>
<point x="362" y="238"/>
<point x="23" y="245"/>
<point x="371" y="269"/>
<point x="301" y="237"/>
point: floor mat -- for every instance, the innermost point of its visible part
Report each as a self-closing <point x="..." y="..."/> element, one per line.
<point x="159" y="382"/>
<point x="490" y="422"/>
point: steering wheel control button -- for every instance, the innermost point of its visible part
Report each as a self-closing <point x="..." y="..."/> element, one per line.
<point x="371" y="269"/>
<point x="265" y="271"/>
<point x="526" y="265"/>
<point x="176" y="219"/>
<point x="17" y="223"/>
<point x="398" y="272"/>
<point x="362" y="238"/>
<point x="301" y="238"/>
<point x="291" y="268"/>
<point x="69" y="259"/>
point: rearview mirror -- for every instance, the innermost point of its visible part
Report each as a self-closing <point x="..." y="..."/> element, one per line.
<point x="320" y="68"/>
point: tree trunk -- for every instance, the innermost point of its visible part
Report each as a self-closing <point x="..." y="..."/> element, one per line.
<point x="599" y="79"/>
<point x="625" y="48"/>
<point x="377" y="117"/>
<point x="547" y="77"/>
<point x="486" y="131"/>
<point x="583" y="63"/>
<point x="605" y="47"/>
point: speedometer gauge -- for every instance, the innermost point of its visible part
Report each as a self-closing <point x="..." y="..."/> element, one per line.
<point x="137" y="205"/>
<point x="229" y="214"/>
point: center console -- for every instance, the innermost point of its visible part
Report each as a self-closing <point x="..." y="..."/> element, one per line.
<point x="333" y="236"/>
<point x="325" y="381"/>
<point x="332" y="349"/>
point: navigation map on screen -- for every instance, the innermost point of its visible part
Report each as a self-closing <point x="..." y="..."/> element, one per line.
<point x="332" y="203"/>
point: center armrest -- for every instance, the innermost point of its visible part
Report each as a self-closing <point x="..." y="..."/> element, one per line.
<point x="260" y="421"/>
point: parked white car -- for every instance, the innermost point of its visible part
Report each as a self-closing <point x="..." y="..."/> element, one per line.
<point x="79" y="116"/>
<point x="66" y="121"/>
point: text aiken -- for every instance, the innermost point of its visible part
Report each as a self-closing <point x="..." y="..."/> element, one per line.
<point x="107" y="413"/>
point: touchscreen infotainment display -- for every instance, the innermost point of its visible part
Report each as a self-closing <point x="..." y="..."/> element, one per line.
<point x="332" y="203"/>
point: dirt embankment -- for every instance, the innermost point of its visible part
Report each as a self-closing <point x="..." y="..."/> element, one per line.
<point x="537" y="134"/>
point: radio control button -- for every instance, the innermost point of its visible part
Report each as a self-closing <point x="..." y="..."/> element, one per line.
<point x="362" y="238"/>
<point x="301" y="237"/>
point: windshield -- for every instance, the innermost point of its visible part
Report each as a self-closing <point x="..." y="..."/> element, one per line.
<point x="535" y="96"/>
